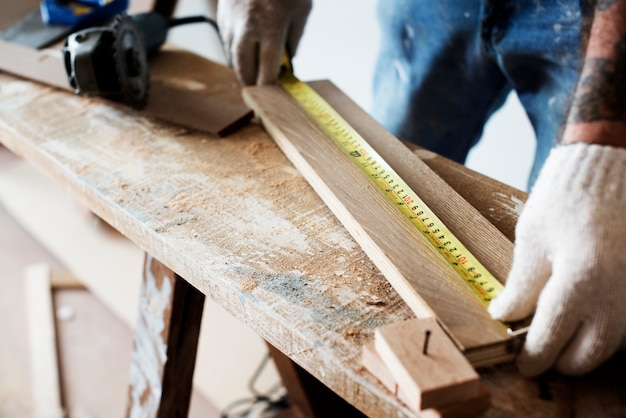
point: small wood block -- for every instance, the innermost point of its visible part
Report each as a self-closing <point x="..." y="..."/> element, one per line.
<point x="471" y="407"/>
<point x="442" y="376"/>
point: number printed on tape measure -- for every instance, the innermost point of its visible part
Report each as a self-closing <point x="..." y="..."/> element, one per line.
<point x="477" y="277"/>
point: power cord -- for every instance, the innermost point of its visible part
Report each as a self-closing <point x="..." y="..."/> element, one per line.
<point x="260" y="404"/>
<point x="193" y="19"/>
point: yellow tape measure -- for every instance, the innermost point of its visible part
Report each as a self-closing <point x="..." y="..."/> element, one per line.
<point x="477" y="277"/>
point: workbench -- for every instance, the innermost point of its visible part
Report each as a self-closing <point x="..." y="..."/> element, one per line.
<point x="232" y="220"/>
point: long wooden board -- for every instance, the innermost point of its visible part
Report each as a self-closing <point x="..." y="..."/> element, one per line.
<point x="413" y="267"/>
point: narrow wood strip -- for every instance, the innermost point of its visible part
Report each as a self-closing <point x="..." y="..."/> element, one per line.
<point x="46" y="388"/>
<point x="415" y="269"/>
<point x="481" y="238"/>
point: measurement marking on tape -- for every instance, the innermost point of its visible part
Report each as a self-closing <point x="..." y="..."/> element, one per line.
<point x="475" y="275"/>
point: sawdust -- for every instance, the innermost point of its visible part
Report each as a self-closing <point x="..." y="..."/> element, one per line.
<point x="182" y="203"/>
<point x="351" y="333"/>
<point x="260" y="150"/>
<point x="205" y="194"/>
<point x="249" y="285"/>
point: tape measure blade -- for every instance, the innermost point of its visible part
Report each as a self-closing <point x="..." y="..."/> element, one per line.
<point x="390" y="242"/>
<point x="481" y="237"/>
<point x="478" y="278"/>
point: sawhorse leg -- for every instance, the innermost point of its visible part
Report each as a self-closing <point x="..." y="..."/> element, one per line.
<point x="165" y="344"/>
<point x="312" y="398"/>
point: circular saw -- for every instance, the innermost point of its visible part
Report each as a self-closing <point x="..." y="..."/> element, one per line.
<point x="110" y="62"/>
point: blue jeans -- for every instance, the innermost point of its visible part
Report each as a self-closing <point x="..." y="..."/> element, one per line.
<point x="446" y="65"/>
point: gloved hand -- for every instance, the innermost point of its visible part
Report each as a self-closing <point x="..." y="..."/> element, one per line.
<point x="256" y="32"/>
<point x="570" y="262"/>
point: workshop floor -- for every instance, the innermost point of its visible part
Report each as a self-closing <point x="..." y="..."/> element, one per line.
<point x="94" y="346"/>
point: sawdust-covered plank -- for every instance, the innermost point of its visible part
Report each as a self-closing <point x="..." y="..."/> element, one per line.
<point x="230" y="215"/>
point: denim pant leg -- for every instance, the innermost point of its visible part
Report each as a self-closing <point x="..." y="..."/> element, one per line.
<point x="540" y="47"/>
<point x="433" y="84"/>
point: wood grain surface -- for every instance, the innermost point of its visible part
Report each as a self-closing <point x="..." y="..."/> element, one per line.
<point x="235" y="218"/>
<point x="230" y="215"/>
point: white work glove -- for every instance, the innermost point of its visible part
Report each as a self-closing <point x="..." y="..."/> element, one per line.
<point x="256" y="32"/>
<point x="570" y="262"/>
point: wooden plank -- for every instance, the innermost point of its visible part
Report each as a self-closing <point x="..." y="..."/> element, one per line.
<point x="111" y="267"/>
<point x="473" y="407"/>
<point x="165" y="344"/>
<point x="195" y="93"/>
<point x="420" y="275"/>
<point x="195" y="111"/>
<point x="428" y="368"/>
<point x="46" y="390"/>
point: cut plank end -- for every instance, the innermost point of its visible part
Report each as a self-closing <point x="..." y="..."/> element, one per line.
<point x="431" y="372"/>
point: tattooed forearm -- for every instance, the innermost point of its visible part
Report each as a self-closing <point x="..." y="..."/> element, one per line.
<point x="598" y="110"/>
<point x="601" y="92"/>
